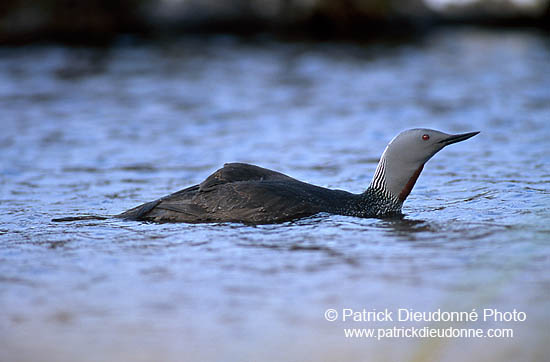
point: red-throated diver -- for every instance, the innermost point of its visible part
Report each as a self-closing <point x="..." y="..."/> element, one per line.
<point x="239" y="192"/>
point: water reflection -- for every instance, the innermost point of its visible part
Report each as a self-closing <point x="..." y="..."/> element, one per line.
<point x="405" y="226"/>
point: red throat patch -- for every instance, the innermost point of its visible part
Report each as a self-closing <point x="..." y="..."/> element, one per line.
<point x="409" y="186"/>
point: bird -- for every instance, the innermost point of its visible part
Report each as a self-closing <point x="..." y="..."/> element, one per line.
<point x="249" y="194"/>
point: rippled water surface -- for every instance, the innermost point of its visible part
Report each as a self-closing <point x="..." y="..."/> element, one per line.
<point x="88" y="131"/>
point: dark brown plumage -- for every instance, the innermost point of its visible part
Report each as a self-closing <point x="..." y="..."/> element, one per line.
<point x="246" y="193"/>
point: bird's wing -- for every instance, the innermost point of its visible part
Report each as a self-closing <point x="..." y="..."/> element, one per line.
<point x="236" y="192"/>
<point x="258" y="202"/>
<point x="246" y="201"/>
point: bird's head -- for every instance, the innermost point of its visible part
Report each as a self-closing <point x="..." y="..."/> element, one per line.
<point x="405" y="156"/>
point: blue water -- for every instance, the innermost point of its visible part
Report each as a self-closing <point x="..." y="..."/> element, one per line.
<point x="97" y="131"/>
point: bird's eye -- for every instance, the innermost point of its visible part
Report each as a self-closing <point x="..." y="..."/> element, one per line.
<point x="425" y="137"/>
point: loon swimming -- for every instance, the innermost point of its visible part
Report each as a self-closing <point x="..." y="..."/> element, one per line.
<point x="245" y="193"/>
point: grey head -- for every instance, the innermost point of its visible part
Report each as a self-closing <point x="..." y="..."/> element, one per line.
<point x="405" y="156"/>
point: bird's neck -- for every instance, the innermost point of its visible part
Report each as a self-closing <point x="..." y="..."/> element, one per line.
<point x="378" y="202"/>
<point x="395" y="179"/>
<point x="378" y="195"/>
<point x="410" y="184"/>
<point x="379" y="179"/>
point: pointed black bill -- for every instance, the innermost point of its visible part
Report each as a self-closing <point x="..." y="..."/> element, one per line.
<point x="457" y="138"/>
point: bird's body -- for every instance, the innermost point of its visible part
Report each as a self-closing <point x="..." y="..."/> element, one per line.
<point x="251" y="194"/>
<point x="246" y="193"/>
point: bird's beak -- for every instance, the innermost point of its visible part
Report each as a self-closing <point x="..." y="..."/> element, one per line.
<point x="457" y="138"/>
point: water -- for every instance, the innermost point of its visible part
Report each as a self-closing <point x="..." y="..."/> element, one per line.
<point x="100" y="131"/>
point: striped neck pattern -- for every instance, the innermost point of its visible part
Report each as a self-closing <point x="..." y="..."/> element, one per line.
<point x="381" y="200"/>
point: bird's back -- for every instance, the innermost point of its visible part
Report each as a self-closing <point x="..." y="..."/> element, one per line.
<point x="242" y="193"/>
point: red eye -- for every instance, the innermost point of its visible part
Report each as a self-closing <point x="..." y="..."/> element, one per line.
<point x="425" y="137"/>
